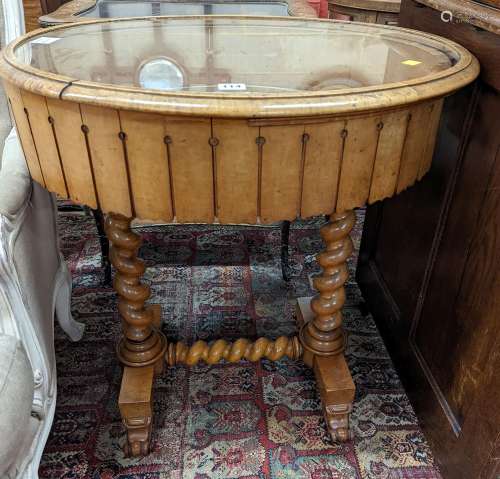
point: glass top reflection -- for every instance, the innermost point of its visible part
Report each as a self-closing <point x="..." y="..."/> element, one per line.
<point x="142" y="8"/>
<point x="236" y="55"/>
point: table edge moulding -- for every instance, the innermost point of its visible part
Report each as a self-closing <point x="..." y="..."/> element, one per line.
<point x="123" y="151"/>
<point x="267" y="105"/>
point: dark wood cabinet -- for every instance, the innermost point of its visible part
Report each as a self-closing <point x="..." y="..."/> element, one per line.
<point x="430" y="260"/>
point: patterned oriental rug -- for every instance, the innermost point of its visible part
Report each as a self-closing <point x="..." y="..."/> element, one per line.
<point x="230" y="420"/>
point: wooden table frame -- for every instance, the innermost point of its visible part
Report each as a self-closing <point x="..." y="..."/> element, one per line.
<point x="135" y="153"/>
<point x="143" y="348"/>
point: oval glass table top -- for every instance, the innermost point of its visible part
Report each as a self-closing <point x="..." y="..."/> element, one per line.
<point x="141" y="8"/>
<point x="262" y="56"/>
<point x="81" y="10"/>
<point x="200" y="64"/>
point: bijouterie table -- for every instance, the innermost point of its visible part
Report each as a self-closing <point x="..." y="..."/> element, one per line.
<point x="229" y="120"/>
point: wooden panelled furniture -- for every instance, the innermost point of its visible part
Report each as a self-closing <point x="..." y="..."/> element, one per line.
<point x="433" y="284"/>
<point x="384" y="12"/>
<point x="216" y="121"/>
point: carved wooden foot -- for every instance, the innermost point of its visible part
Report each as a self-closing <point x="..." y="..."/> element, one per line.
<point x="334" y="381"/>
<point x="136" y="409"/>
<point x="337" y="390"/>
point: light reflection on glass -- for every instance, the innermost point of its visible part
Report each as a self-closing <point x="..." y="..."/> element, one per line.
<point x="161" y="74"/>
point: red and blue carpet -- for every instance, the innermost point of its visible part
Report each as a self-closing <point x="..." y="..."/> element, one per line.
<point x="231" y="420"/>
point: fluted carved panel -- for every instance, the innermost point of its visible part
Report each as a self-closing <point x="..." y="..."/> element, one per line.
<point x="205" y="170"/>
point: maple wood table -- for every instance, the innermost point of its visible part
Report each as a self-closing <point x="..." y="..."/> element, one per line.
<point x="229" y="120"/>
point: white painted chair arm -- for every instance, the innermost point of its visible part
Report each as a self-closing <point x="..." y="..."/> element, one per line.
<point x="35" y="285"/>
<point x="16" y="397"/>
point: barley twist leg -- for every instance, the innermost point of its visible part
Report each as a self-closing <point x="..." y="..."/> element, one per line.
<point x="142" y="347"/>
<point x="322" y="337"/>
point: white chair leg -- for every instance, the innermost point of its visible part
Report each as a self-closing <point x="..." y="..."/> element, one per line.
<point x="72" y="328"/>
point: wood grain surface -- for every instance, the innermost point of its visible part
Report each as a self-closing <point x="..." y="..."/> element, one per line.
<point x="158" y="167"/>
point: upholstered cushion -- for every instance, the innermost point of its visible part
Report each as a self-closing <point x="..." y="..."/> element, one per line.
<point x="15" y="182"/>
<point x="16" y="398"/>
